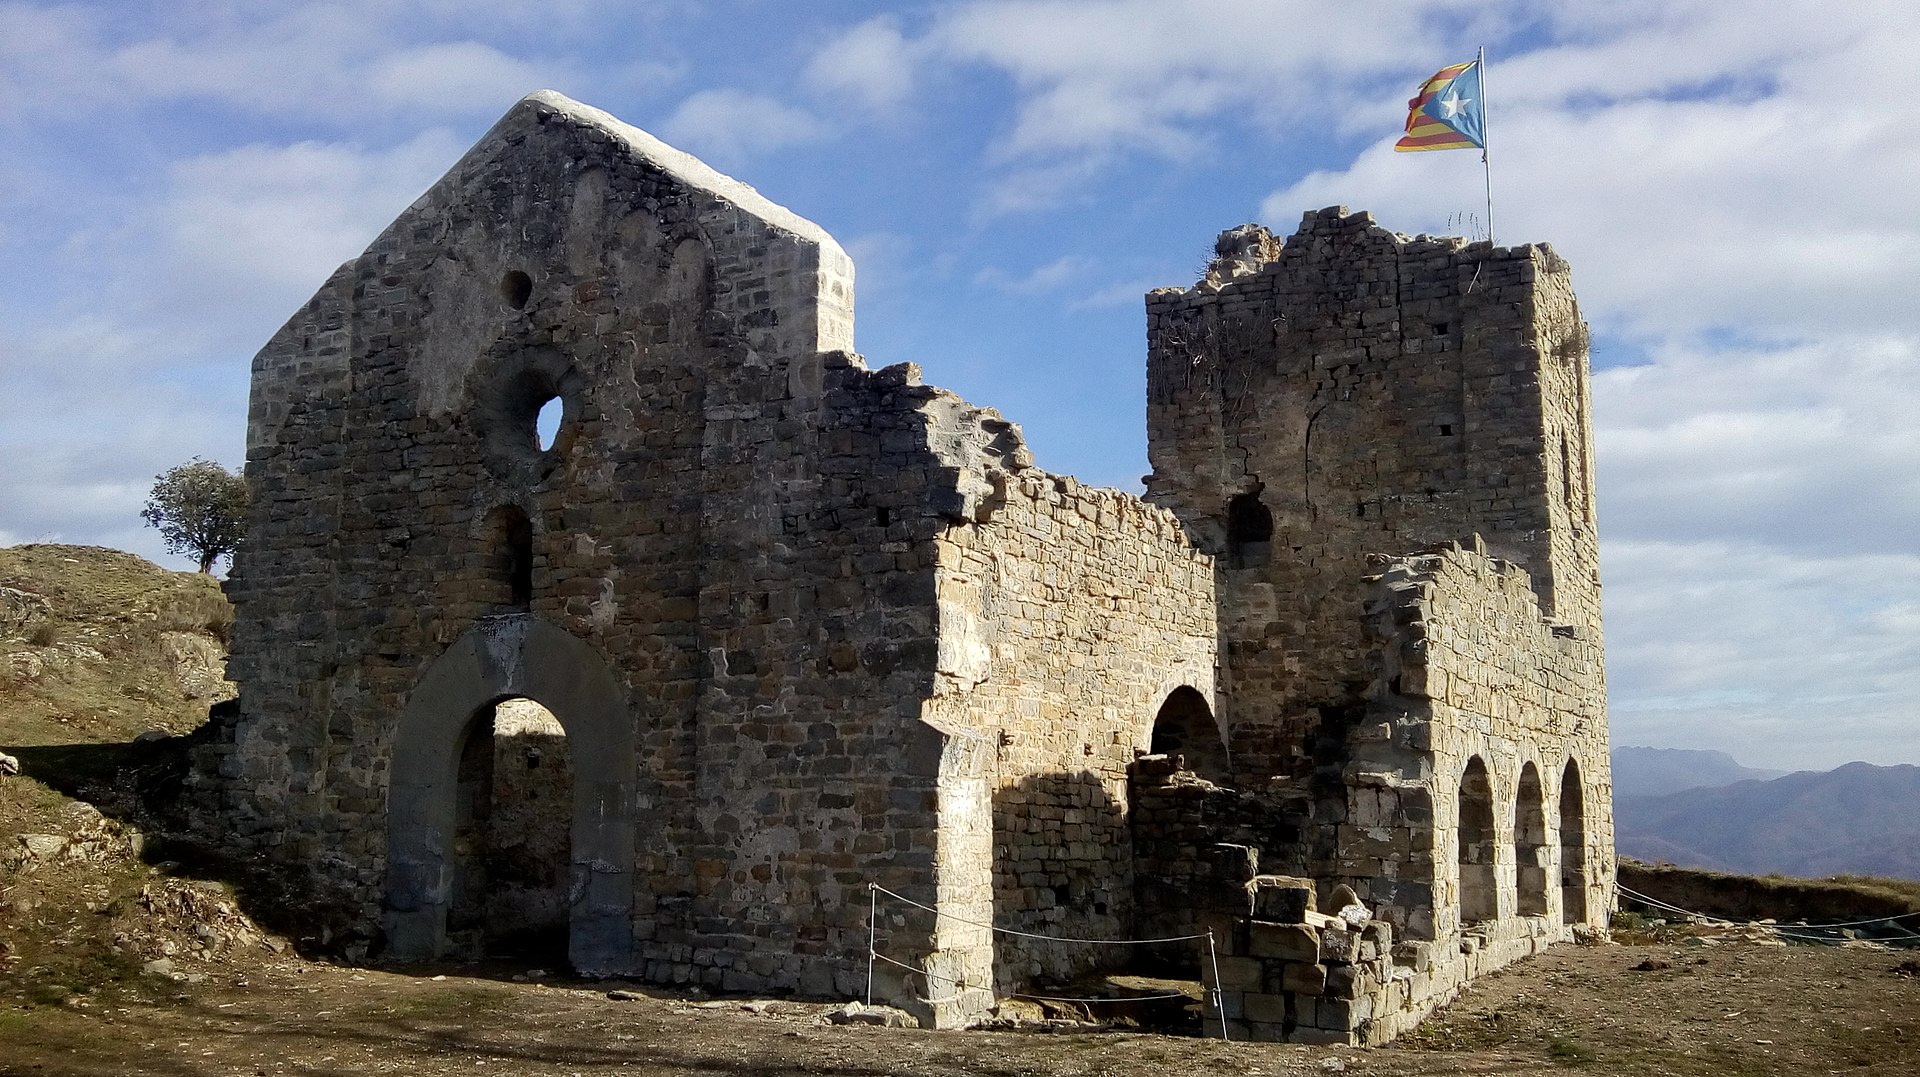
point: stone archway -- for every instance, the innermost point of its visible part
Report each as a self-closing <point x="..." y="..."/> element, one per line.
<point x="1478" y="847"/>
<point x="500" y="658"/>
<point x="1573" y="846"/>
<point x="1530" y="857"/>
<point x="1185" y="726"/>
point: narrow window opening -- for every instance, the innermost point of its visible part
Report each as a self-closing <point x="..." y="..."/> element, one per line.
<point x="546" y="423"/>
<point x="1249" y="531"/>
<point x="1441" y="329"/>
<point x="516" y="288"/>
<point x="509" y="557"/>
<point x="1566" y="479"/>
<point x="881" y="517"/>
<point x="1446" y="430"/>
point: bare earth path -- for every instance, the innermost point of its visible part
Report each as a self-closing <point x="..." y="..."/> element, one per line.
<point x="1731" y="1009"/>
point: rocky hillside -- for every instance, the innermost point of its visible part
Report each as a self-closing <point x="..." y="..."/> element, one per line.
<point x="97" y="645"/>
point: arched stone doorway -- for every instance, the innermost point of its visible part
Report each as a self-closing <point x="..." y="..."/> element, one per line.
<point x="503" y="658"/>
<point x="1185" y="726"/>
<point x="1573" y="846"/>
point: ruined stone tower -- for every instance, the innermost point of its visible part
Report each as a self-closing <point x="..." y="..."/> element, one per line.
<point x="761" y="655"/>
<point x="1386" y="443"/>
<point x="1350" y="393"/>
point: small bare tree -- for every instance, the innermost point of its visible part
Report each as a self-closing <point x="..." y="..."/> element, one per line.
<point x="200" y="509"/>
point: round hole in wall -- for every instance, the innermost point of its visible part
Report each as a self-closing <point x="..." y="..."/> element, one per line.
<point x="516" y="288"/>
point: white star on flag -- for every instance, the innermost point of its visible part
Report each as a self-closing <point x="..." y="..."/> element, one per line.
<point x="1453" y="103"/>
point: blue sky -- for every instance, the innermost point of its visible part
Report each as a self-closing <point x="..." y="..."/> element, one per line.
<point x="1733" y="184"/>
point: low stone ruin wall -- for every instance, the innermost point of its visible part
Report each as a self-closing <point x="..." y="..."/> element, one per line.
<point x="1287" y="972"/>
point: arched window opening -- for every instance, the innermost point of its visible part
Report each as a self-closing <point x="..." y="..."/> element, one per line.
<point x="509" y="556"/>
<point x="1573" y="847"/>
<point x="1249" y="531"/>
<point x="1479" y="885"/>
<point x="512" y="840"/>
<point x="1185" y="726"/>
<point x="1530" y="843"/>
<point x="516" y="288"/>
<point x="546" y="422"/>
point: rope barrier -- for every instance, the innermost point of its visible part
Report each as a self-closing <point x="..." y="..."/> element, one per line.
<point x="1122" y="998"/>
<point x="1031" y="935"/>
<point x="1646" y="899"/>
<point x="874" y="890"/>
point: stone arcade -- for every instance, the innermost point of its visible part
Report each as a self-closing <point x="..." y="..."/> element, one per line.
<point x="759" y="626"/>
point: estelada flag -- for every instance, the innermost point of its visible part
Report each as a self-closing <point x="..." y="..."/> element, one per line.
<point x="1448" y="113"/>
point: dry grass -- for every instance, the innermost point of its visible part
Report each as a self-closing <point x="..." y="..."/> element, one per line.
<point x="99" y="670"/>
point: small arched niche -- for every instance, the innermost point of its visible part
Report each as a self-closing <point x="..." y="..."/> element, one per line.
<point x="1573" y="846"/>
<point x="1479" y="884"/>
<point x="1249" y="531"/>
<point x="1185" y="726"/>
<point x="1530" y="850"/>
<point x="507" y="549"/>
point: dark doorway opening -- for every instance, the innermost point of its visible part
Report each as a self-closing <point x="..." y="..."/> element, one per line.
<point x="512" y="838"/>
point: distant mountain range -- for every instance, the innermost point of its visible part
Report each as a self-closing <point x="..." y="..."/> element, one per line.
<point x="1653" y="772"/>
<point x="1703" y="809"/>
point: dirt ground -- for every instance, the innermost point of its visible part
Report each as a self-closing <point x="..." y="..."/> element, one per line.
<point x="1643" y="1009"/>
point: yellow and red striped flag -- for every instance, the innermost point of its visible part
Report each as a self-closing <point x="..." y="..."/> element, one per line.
<point x="1447" y="113"/>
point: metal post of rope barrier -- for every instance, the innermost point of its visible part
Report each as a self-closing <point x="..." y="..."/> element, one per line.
<point x="873" y="916"/>
<point x="1213" y="956"/>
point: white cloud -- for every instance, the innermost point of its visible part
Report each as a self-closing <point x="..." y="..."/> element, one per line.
<point x="1144" y="76"/>
<point x="1810" y="448"/>
<point x="1129" y="293"/>
<point x="729" y="126"/>
<point x="460" y="76"/>
<point x="1052" y="276"/>
<point x="870" y="64"/>
<point x="1785" y="660"/>
<point x="348" y="63"/>
<point x="1758" y="508"/>
<point x="279" y="219"/>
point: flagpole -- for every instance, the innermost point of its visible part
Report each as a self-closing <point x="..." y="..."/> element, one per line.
<point x="1486" y="141"/>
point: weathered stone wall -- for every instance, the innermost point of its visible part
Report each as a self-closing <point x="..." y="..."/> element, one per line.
<point x="1471" y="669"/>
<point x="1354" y="392"/>
<point x="1067" y="614"/>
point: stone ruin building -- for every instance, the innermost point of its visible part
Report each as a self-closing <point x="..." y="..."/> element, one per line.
<point x="759" y="627"/>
